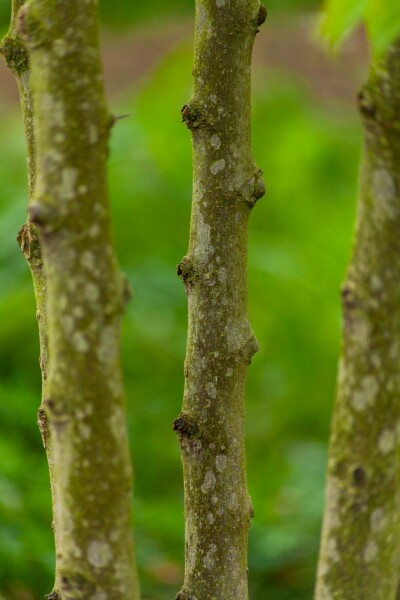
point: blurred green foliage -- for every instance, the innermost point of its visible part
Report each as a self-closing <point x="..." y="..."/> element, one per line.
<point x="300" y="236"/>
<point x="381" y="18"/>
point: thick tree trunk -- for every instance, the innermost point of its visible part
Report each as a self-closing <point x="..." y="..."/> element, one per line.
<point x="83" y="400"/>
<point x="360" y="555"/>
<point x="220" y="343"/>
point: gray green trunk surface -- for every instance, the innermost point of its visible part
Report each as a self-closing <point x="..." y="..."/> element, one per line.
<point x="220" y="345"/>
<point x="80" y="297"/>
<point x="359" y="557"/>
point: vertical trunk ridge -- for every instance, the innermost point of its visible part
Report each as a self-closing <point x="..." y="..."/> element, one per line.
<point x="359" y="557"/>
<point x="83" y="396"/>
<point x="226" y="185"/>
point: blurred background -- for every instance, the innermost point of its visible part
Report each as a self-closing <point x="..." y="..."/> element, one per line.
<point x="307" y="140"/>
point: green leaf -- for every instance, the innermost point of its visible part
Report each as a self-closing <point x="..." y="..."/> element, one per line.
<point x="383" y="23"/>
<point x="340" y="17"/>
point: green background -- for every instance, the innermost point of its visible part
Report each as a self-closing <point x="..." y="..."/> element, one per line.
<point x="300" y="239"/>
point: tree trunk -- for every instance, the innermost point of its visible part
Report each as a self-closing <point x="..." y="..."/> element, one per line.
<point x="359" y="557"/>
<point x="16" y="58"/>
<point x="83" y="400"/>
<point x="220" y="343"/>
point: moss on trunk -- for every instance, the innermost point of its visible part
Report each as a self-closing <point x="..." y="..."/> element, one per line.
<point x="359" y="557"/>
<point x="83" y="291"/>
<point x="226" y="185"/>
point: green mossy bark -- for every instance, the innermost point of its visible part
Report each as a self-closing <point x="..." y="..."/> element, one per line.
<point x="220" y="343"/>
<point x="359" y="557"/>
<point x="85" y="295"/>
<point x="15" y="55"/>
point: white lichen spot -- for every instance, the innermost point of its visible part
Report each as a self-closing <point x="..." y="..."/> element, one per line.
<point x="100" y="595"/>
<point x="220" y="3"/>
<point x="93" y="134"/>
<point x="99" y="554"/>
<point x="204" y="232"/>
<point x="107" y="349"/>
<point x="67" y="323"/>
<point x="376" y="283"/>
<point x="332" y="550"/>
<point x="217" y="166"/>
<point x="323" y="591"/>
<point x="94" y="230"/>
<point x="232" y="501"/>
<point x="215" y="141"/>
<point x="69" y="178"/>
<point x="63" y="302"/>
<point x="210" y="518"/>
<point x="114" y="535"/>
<point x="82" y="189"/>
<point x="361" y="333"/>
<point x="88" y="260"/>
<point x="54" y="109"/>
<point x="117" y="424"/>
<point x="370" y="552"/>
<point x="78" y="312"/>
<point x="59" y="137"/>
<point x="92" y="292"/>
<point x="211" y="390"/>
<point x="394" y="351"/>
<point x="60" y="47"/>
<point x="80" y="342"/>
<point x="222" y="275"/>
<point x="84" y="430"/>
<point x="387" y="441"/>
<point x="384" y="191"/>
<point x="209" y="560"/>
<point x="209" y="482"/>
<point x="229" y="372"/>
<point x="379" y="520"/>
<point x="221" y="462"/>
<point x="365" y="395"/>
<point x="213" y="98"/>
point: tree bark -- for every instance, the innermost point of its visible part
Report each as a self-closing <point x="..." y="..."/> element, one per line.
<point x="16" y="57"/>
<point x="220" y="343"/>
<point x="86" y="293"/>
<point x="359" y="557"/>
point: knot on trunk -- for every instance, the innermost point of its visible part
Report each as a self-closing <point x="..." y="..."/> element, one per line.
<point x="76" y="586"/>
<point x="15" y="55"/>
<point x="253" y="189"/>
<point x="28" y="241"/>
<point x="186" y="427"/>
<point x="44" y="430"/>
<point x="192" y="116"/>
<point x="366" y="104"/>
<point x="248" y="349"/>
<point x="53" y="596"/>
<point x="261" y="15"/>
<point x="187" y="272"/>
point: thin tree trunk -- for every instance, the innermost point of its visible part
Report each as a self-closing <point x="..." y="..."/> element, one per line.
<point x="220" y="343"/>
<point x="83" y="399"/>
<point x="16" y="58"/>
<point x="360" y="555"/>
